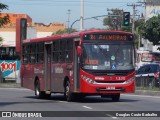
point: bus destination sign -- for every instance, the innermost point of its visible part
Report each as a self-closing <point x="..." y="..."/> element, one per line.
<point x="122" y="37"/>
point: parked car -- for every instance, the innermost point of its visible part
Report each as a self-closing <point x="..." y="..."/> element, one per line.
<point x="148" y="75"/>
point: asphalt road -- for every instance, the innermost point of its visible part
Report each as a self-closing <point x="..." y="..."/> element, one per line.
<point x="21" y="100"/>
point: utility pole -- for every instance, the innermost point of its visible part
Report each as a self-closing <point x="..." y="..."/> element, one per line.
<point x="69" y="12"/>
<point x="82" y="14"/>
<point x="134" y="14"/>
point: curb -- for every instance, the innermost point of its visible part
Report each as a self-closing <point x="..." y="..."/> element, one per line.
<point x="10" y="85"/>
<point x="137" y="92"/>
<point x="147" y="92"/>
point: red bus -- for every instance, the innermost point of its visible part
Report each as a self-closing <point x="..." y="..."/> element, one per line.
<point x="95" y="62"/>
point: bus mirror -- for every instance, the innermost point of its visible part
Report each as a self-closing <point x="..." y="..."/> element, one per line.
<point x="79" y="50"/>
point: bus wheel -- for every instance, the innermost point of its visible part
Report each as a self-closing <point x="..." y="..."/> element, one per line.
<point x="38" y="93"/>
<point x="68" y="95"/>
<point x="115" y="97"/>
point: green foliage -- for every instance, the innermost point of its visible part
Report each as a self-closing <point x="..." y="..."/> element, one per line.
<point x="64" y="31"/>
<point x="140" y="26"/>
<point x="1" y="39"/>
<point x="3" y="6"/>
<point x="114" y="22"/>
<point x="127" y="29"/>
<point x="3" y="20"/>
<point x="152" y="30"/>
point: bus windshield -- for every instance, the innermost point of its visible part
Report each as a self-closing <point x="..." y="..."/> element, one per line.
<point x="107" y="57"/>
<point x="8" y="53"/>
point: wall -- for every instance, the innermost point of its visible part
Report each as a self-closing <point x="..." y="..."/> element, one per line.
<point x="152" y="11"/>
<point x="34" y="30"/>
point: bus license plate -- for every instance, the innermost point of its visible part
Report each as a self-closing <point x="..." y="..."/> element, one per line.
<point x="110" y="88"/>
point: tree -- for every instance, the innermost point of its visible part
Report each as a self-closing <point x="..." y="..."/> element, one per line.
<point x="127" y="28"/>
<point x="152" y="30"/>
<point x="114" y="19"/>
<point x="1" y="39"/>
<point x="64" y="31"/>
<point x="139" y="25"/>
<point x="3" y="20"/>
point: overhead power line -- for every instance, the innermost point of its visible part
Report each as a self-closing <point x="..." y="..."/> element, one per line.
<point x="64" y="3"/>
<point x="134" y="13"/>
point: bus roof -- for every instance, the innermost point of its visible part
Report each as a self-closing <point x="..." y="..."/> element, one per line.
<point x="103" y="31"/>
<point x="71" y="35"/>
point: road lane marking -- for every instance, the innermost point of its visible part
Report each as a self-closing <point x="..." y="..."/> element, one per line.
<point x="111" y="116"/>
<point x="63" y="101"/>
<point x="87" y="107"/>
<point x="114" y="118"/>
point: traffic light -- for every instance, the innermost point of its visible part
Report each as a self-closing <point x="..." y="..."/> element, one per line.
<point x="126" y="18"/>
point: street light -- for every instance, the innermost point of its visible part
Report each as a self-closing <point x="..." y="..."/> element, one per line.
<point x="94" y="17"/>
<point x="82" y="13"/>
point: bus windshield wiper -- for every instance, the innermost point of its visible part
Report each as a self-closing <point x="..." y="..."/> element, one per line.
<point x="103" y="53"/>
<point x="119" y="46"/>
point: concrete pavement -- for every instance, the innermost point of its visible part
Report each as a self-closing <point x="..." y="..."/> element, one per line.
<point x="137" y="92"/>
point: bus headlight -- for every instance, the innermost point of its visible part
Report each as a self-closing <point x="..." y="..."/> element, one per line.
<point x="89" y="80"/>
<point x="129" y="80"/>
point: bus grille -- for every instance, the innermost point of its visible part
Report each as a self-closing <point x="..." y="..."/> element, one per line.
<point x="109" y="81"/>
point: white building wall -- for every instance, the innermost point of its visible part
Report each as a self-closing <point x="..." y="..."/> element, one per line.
<point x="8" y="38"/>
<point x="31" y="32"/>
<point x="150" y="11"/>
<point x="43" y="34"/>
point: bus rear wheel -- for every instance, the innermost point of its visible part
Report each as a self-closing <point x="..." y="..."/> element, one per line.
<point x="40" y="94"/>
<point x="67" y="92"/>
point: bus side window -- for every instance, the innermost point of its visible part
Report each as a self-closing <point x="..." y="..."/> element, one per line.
<point x="62" y="50"/>
<point x="33" y="53"/>
<point x="3" y="53"/>
<point x="69" y="49"/>
<point x="55" y="52"/>
<point x="24" y="54"/>
<point x="40" y="53"/>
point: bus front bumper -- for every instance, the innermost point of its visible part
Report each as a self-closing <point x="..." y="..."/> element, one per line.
<point x="107" y="88"/>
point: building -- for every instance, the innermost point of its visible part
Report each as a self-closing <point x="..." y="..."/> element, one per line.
<point x="8" y="32"/>
<point x="152" y="8"/>
<point x="46" y="30"/>
<point x="13" y="17"/>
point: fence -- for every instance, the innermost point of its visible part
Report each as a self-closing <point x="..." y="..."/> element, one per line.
<point x="147" y="83"/>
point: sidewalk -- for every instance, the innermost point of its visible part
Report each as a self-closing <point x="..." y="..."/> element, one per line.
<point x="10" y="85"/>
<point x="147" y="92"/>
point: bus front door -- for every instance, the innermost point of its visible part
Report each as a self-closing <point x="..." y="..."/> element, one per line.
<point x="47" y="66"/>
<point x="76" y="67"/>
